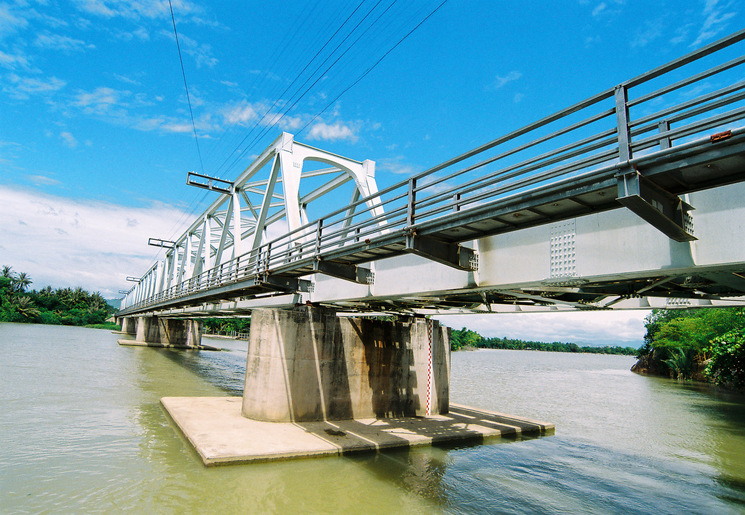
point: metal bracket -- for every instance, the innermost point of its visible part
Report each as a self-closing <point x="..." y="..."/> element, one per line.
<point x="284" y="283"/>
<point x="209" y="183"/>
<point x="450" y="254"/>
<point x="345" y="271"/>
<point x="157" y="242"/>
<point x="662" y="209"/>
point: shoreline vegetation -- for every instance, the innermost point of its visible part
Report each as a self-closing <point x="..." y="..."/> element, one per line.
<point x="465" y="339"/>
<point x="63" y="306"/>
<point x="705" y="345"/>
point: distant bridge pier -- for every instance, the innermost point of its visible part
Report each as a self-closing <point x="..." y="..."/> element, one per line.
<point x="308" y="364"/>
<point x="153" y="331"/>
<point x="129" y="325"/>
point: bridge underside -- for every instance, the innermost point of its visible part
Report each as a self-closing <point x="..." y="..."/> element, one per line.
<point x="606" y="260"/>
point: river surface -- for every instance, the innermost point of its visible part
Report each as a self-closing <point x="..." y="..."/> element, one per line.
<point x="82" y="430"/>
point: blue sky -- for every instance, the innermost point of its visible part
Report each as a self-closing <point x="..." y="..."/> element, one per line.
<point x="96" y="136"/>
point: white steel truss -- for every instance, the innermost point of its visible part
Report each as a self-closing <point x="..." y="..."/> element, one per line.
<point x="235" y="224"/>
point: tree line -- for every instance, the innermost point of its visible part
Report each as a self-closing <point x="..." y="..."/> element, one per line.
<point x="465" y="338"/>
<point x="62" y="306"/>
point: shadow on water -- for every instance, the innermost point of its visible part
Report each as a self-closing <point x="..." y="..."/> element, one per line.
<point x="225" y="369"/>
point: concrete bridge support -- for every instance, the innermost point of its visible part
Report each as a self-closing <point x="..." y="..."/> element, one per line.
<point x="308" y="364"/>
<point x="129" y="325"/>
<point x="163" y="332"/>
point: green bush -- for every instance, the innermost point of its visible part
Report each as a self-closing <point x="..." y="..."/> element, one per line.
<point x="727" y="364"/>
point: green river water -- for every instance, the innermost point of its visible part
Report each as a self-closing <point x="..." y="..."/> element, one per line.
<point x="82" y="430"/>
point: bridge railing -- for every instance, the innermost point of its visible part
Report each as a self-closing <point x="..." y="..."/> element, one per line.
<point x="655" y="111"/>
<point x="672" y="105"/>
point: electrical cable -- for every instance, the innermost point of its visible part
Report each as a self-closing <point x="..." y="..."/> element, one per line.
<point x="257" y="124"/>
<point x="281" y="116"/>
<point x="373" y="66"/>
<point x="186" y="86"/>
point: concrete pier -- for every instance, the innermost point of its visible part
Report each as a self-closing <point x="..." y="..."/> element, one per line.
<point x="174" y="333"/>
<point x="318" y="385"/>
<point x="308" y="364"/>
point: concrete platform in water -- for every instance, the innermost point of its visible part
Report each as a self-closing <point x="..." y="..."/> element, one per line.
<point x="136" y="343"/>
<point x="221" y="435"/>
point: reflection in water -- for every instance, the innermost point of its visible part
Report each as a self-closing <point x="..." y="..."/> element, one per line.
<point x="83" y="430"/>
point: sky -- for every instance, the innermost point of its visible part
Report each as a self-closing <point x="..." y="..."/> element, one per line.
<point x="96" y="133"/>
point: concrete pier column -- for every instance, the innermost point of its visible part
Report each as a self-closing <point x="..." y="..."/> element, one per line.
<point x="167" y="332"/>
<point x="180" y="332"/>
<point x="129" y="325"/>
<point x="147" y="330"/>
<point x="308" y="364"/>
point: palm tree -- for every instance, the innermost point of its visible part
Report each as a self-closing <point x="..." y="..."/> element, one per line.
<point x="8" y="272"/>
<point x="21" y="282"/>
<point x="26" y="308"/>
<point x="78" y="296"/>
<point x="96" y="301"/>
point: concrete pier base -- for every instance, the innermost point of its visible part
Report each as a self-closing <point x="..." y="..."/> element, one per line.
<point x="221" y="435"/>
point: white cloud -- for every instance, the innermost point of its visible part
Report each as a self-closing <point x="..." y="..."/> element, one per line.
<point x="137" y="9"/>
<point x="239" y="114"/>
<point x="68" y="139"/>
<point x="606" y="10"/>
<point x="64" y="242"/>
<point x="396" y="165"/>
<point x="13" y="61"/>
<point x="59" y="42"/>
<point x="43" y="180"/>
<point x="201" y="52"/>
<point x="335" y="132"/>
<point x="717" y="15"/>
<point x="645" y="35"/>
<point x="598" y="10"/>
<point x="624" y="328"/>
<point x="22" y="87"/>
<point x="176" y="127"/>
<point x="500" y="82"/>
<point x="10" y="21"/>
<point x="127" y="80"/>
<point x="101" y="100"/>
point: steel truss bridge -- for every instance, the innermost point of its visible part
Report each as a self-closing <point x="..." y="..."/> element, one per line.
<point x="632" y="198"/>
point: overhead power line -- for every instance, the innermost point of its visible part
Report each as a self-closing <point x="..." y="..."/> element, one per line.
<point x="186" y="87"/>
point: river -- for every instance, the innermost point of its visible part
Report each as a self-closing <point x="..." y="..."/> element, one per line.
<point x="83" y="431"/>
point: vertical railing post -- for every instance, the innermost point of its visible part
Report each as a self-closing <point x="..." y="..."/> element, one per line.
<point x="664" y="127"/>
<point x="319" y="236"/>
<point x="456" y="202"/>
<point x="622" y="120"/>
<point x="268" y="257"/>
<point x="410" y="208"/>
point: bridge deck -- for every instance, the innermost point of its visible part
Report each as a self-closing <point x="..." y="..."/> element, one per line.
<point x="608" y="152"/>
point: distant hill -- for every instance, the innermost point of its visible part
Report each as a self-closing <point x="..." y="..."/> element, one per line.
<point x="114" y="303"/>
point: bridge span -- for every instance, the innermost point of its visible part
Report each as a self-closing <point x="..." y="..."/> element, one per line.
<point x="633" y="198"/>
